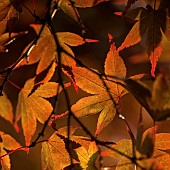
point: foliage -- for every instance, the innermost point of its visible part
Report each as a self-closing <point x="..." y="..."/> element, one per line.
<point x="58" y="69"/>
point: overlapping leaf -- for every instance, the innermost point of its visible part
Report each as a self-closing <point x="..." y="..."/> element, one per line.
<point x="8" y="16"/>
<point x="148" y="29"/>
<point x="55" y="154"/>
<point x="101" y="100"/>
<point x="33" y="107"/>
<point x="88" y="157"/>
<point x="103" y="90"/>
<point x="155" y="101"/>
<point x="147" y="156"/>
<point x="7" y="143"/>
<point x="45" y="51"/>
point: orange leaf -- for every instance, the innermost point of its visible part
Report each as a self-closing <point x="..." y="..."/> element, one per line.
<point x="88" y="157"/>
<point x="162" y="141"/>
<point x="105" y="89"/>
<point x="7" y="143"/>
<point x="34" y="106"/>
<point x="45" y="51"/>
<point x="6" y="109"/>
<point x="5" y="161"/>
<point x="54" y="153"/>
<point x="154" y="57"/>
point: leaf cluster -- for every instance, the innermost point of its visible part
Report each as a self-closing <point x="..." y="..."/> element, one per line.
<point x="58" y="69"/>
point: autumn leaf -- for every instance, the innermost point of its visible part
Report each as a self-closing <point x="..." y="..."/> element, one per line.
<point x="7" y="143"/>
<point x="104" y="90"/>
<point x="88" y="157"/>
<point x="156" y="159"/>
<point x="148" y="30"/>
<point x="155" y="101"/>
<point x="8" y="18"/>
<point x="32" y="107"/>
<point x="6" y="109"/>
<point x="67" y="6"/>
<point x="101" y="101"/>
<point x="45" y="51"/>
<point x="54" y="154"/>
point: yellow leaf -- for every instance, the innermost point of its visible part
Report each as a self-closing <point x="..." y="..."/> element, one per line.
<point x="33" y="106"/>
<point x="45" y="51"/>
<point x="54" y="153"/>
<point x="5" y="161"/>
<point x="88" y="157"/>
<point x="9" y="142"/>
<point x="6" y="110"/>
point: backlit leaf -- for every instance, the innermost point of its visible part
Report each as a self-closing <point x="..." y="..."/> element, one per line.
<point x="156" y="160"/>
<point x="148" y="30"/>
<point x="7" y="143"/>
<point x="162" y="141"/>
<point x="54" y="153"/>
<point x="155" y="101"/>
<point x="68" y="7"/>
<point x="34" y="106"/>
<point x="6" y="110"/>
<point x="45" y="51"/>
<point x="88" y="157"/>
<point x="5" y="161"/>
<point x="103" y="89"/>
<point x="8" y="18"/>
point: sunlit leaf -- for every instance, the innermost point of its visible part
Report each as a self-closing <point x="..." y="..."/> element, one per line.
<point x="162" y="141"/>
<point x="104" y="90"/>
<point x="88" y="157"/>
<point x="157" y="159"/>
<point x="5" y="161"/>
<point x="34" y="106"/>
<point x="6" y="109"/>
<point x="54" y="153"/>
<point x="7" y="143"/>
<point x="45" y="51"/>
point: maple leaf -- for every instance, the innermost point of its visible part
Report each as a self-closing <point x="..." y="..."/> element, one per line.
<point x="147" y="156"/>
<point x="54" y="153"/>
<point x="67" y="6"/>
<point x="88" y="157"/>
<point x="45" y="51"/>
<point x="8" y="17"/>
<point x="7" y="143"/>
<point x="155" y="101"/>
<point x="32" y="107"/>
<point x="101" y="100"/>
<point x="148" y="30"/>
<point x="6" y="109"/>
